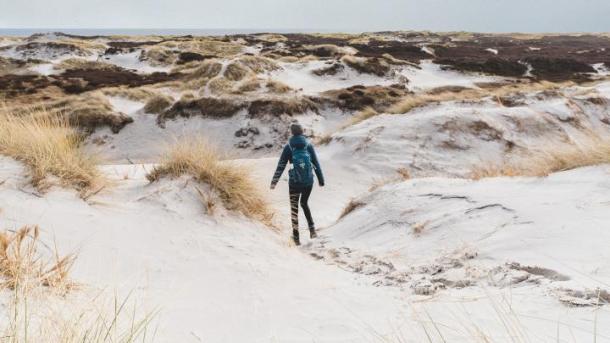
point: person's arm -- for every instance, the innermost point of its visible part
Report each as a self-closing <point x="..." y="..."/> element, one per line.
<point x="281" y="165"/>
<point x="316" y="164"/>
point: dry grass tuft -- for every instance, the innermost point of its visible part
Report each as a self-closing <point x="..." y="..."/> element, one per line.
<point x="220" y="86"/>
<point x="539" y="163"/>
<point x="80" y="63"/>
<point x="363" y="65"/>
<point x="48" y="146"/>
<point x="323" y="140"/>
<point x="158" y="104"/>
<point x="482" y="172"/>
<point x="236" y="71"/>
<point x="205" y="70"/>
<point x="250" y="84"/>
<point x="21" y="265"/>
<point x="159" y="56"/>
<point x="233" y="184"/>
<point x="258" y="64"/>
<point x="34" y="317"/>
<point x="87" y="111"/>
<point x="363" y="115"/>
<point x="351" y="206"/>
<point x="207" y="46"/>
<point x="37" y="309"/>
<point x="419" y="228"/>
<point x="402" y="174"/>
<point x="278" y="87"/>
<point x="413" y="101"/>
<point x="131" y="93"/>
<point x="13" y="66"/>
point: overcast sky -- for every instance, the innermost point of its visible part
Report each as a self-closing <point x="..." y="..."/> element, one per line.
<point x="352" y="15"/>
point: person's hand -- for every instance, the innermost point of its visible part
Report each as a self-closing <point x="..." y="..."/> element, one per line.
<point x="321" y="184"/>
<point x="272" y="186"/>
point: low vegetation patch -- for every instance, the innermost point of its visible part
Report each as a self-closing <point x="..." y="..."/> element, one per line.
<point x="135" y="93"/>
<point x="279" y="106"/>
<point x="402" y="174"/>
<point x="374" y="66"/>
<point x="80" y="63"/>
<point x="207" y="46"/>
<point x="413" y="101"/>
<point x="540" y="163"/>
<point x="250" y="84"/>
<point x="86" y="111"/>
<point x="158" y="104"/>
<point x="22" y="265"/>
<point x="232" y="183"/>
<point x="351" y="206"/>
<point x="278" y="87"/>
<point x="206" y="107"/>
<point x="359" y="97"/>
<point x="48" y="146"/>
<point x="324" y="139"/>
<point x="258" y="64"/>
<point x="236" y="71"/>
<point x="366" y="113"/>
<point x="37" y="280"/>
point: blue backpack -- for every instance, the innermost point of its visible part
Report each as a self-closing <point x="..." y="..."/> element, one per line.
<point x="301" y="173"/>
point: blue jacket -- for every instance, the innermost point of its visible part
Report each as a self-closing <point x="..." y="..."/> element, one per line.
<point x="297" y="142"/>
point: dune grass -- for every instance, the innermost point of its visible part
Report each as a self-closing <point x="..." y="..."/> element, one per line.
<point x="29" y="320"/>
<point x="233" y="183"/>
<point x="22" y="265"/>
<point x="366" y="113"/>
<point x="38" y="310"/>
<point x="413" y="101"/>
<point x="48" y="146"/>
<point x="402" y="174"/>
<point x="542" y="162"/>
<point x="351" y="206"/>
<point x="81" y="63"/>
<point x="278" y="87"/>
<point x="436" y="96"/>
<point x="158" y="104"/>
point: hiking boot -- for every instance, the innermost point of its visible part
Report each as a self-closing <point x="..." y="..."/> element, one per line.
<point x="312" y="233"/>
<point x="295" y="237"/>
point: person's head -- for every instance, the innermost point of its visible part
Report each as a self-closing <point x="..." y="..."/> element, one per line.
<point x="296" y="129"/>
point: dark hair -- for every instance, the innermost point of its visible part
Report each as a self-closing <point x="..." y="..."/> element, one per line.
<point x="296" y="129"/>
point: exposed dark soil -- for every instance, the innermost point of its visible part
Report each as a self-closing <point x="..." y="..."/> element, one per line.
<point x="373" y="65"/>
<point x="554" y="58"/>
<point x="97" y="78"/>
<point x="129" y="45"/>
<point x="401" y="50"/>
<point x="470" y="52"/>
<point x="206" y="107"/>
<point x="224" y="108"/>
<point x="559" y="69"/>
<point x="76" y="81"/>
<point x="185" y="57"/>
<point x="116" y="122"/>
<point x="277" y="107"/>
<point x="332" y="69"/>
<point x="495" y="66"/>
<point x="67" y="35"/>
<point x="32" y="46"/>
<point x="17" y="63"/>
<point x="300" y="39"/>
<point x="15" y="85"/>
<point x="477" y="128"/>
<point x="356" y="98"/>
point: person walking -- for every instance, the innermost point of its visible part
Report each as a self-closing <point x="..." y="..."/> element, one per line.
<point x="302" y="155"/>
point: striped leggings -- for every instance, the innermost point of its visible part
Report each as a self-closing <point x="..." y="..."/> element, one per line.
<point x="300" y="194"/>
